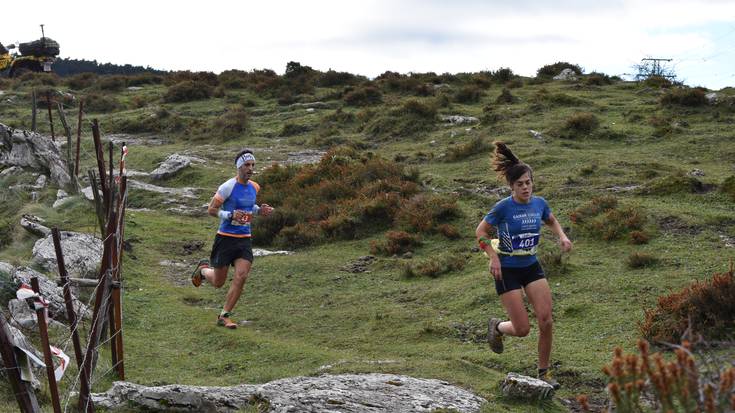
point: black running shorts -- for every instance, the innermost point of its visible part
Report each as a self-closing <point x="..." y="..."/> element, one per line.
<point x="227" y="249"/>
<point x="517" y="278"/>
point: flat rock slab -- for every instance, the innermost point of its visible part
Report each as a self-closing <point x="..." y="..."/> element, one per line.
<point x="82" y="253"/>
<point x="348" y="393"/>
<point x="32" y="151"/>
<point x="518" y="386"/>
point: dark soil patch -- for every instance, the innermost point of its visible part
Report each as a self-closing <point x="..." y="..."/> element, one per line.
<point x="675" y="225"/>
<point x="192" y="247"/>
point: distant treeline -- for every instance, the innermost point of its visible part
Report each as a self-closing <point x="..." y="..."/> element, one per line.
<point x="68" y="67"/>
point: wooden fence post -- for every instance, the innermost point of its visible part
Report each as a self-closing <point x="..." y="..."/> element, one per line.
<point x="43" y="329"/>
<point x="50" y="117"/>
<point x="23" y="390"/>
<point x="79" y="136"/>
<point x="33" y="110"/>
<point x="100" y="161"/>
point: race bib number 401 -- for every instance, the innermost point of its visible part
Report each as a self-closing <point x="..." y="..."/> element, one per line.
<point x="525" y="241"/>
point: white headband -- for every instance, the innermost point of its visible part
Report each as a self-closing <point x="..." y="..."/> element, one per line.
<point x="244" y="158"/>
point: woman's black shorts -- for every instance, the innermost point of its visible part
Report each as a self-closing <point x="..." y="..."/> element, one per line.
<point x="517" y="278"/>
<point x="227" y="249"/>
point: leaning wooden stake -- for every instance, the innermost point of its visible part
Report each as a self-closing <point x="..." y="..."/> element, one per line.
<point x="100" y="162"/>
<point x="67" y="132"/>
<point x="116" y="315"/>
<point x="64" y="276"/>
<point x="50" y="117"/>
<point x="33" y="110"/>
<point x="97" y="201"/>
<point x="79" y="136"/>
<point x="23" y="390"/>
<point x="43" y="329"/>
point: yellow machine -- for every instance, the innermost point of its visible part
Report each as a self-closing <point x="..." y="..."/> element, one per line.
<point x="35" y="56"/>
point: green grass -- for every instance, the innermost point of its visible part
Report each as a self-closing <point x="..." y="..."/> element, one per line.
<point x="306" y="313"/>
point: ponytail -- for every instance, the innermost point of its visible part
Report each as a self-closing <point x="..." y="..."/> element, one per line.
<point x="507" y="165"/>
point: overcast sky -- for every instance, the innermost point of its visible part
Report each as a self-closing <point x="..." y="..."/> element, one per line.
<point x="371" y="36"/>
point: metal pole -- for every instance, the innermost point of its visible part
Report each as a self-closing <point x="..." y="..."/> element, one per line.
<point x="23" y="390"/>
<point x="43" y="329"/>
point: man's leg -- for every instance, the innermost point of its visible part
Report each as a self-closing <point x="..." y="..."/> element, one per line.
<point x="242" y="270"/>
<point x="215" y="276"/>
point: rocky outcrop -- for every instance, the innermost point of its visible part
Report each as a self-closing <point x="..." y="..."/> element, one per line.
<point x="82" y="253"/>
<point x="34" y="225"/>
<point x="48" y="289"/>
<point x="171" y="166"/>
<point x="32" y="151"/>
<point x="566" y="74"/>
<point x="460" y="120"/>
<point x="349" y="393"/>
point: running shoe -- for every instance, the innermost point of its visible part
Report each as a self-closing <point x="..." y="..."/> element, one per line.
<point x="224" y="320"/>
<point x="547" y="377"/>
<point x="196" y="276"/>
<point x="494" y="337"/>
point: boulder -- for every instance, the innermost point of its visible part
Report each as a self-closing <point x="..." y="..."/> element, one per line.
<point x="518" y="386"/>
<point x="566" y="74"/>
<point x="182" y="192"/>
<point x="351" y="393"/>
<point x="82" y="254"/>
<point x="171" y="166"/>
<point x="460" y="120"/>
<point x="34" y="225"/>
<point x="34" y="151"/>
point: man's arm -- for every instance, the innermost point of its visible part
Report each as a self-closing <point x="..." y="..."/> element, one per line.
<point x="214" y="205"/>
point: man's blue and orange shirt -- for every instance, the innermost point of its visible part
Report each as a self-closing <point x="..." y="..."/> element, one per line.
<point x="236" y="195"/>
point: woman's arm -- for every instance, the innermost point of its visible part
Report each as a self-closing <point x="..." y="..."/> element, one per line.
<point x="553" y="223"/>
<point x="482" y="233"/>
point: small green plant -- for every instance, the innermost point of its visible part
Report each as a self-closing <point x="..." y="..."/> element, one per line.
<point x="554" y="262"/>
<point x="505" y="97"/>
<point x="477" y="145"/>
<point x="580" y="124"/>
<point x="231" y="124"/>
<point x="728" y="187"/>
<point x="292" y="129"/>
<point x="603" y="219"/>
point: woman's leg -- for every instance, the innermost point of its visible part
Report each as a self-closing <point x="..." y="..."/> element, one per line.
<point x="513" y="303"/>
<point x="539" y="294"/>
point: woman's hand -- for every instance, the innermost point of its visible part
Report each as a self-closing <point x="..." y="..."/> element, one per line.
<point x="565" y="244"/>
<point x="495" y="268"/>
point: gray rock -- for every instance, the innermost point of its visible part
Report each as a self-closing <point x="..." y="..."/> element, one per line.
<point x="171" y="166"/>
<point x="182" y="192"/>
<point x="87" y="192"/>
<point x="536" y="134"/>
<point x="32" y="151"/>
<point x="61" y="198"/>
<point x="305" y="157"/>
<point x="712" y="98"/>
<point x="22" y="316"/>
<point x="82" y="254"/>
<point x="349" y="393"/>
<point x="696" y="172"/>
<point x="50" y="292"/>
<point x="259" y="252"/>
<point x="460" y="120"/>
<point x="310" y="105"/>
<point x="34" y="225"/>
<point x="527" y="388"/>
<point x="13" y="170"/>
<point x="566" y="74"/>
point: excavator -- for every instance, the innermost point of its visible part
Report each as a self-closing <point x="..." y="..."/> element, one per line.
<point x="35" y="56"/>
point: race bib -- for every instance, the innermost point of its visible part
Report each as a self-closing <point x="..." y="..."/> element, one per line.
<point x="245" y="221"/>
<point x="525" y="241"/>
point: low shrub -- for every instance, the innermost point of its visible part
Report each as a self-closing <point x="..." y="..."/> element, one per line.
<point x="657" y="82"/>
<point x="514" y="84"/>
<point x="475" y="146"/>
<point x="449" y="231"/>
<point x="187" y="76"/>
<point x="231" y="124"/>
<point x="81" y="81"/>
<point x="39" y="79"/>
<point x="100" y="103"/>
<point x="408" y="119"/>
<point x="543" y="96"/>
<point x="144" y="79"/>
<point x="639" y="237"/>
<point x="684" y="97"/>
<point x="728" y="187"/>
<point x="396" y="242"/>
<point x="597" y="79"/>
<point x="505" y="97"/>
<point x="435" y="266"/>
<point x="648" y="383"/>
<point x="363" y="96"/>
<point x="641" y="260"/>
<point x="579" y="124"/>
<point x="111" y="83"/>
<point x="678" y="183"/>
<point x="424" y="213"/>
<point x="603" y="219"/>
<point x="704" y="308"/>
<point x="554" y="261"/>
<point x="333" y="78"/>
<point x="6" y="231"/>
<point x="468" y="94"/>
<point x="292" y="129"/>
<point x="556" y="68"/>
<point x="188" y="91"/>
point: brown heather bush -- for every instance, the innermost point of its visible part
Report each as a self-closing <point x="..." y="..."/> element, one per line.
<point x="38" y="79"/>
<point x="81" y="81"/>
<point x="641" y="260"/>
<point x="144" y="79"/>
<point x="478" y="145"/>
<point x="658" y="82"/>
<point x="554" y="262"/>
<point x="704" y="308"/>
<point x="449" y="231"/>
<point x="602" y="219"/>
<point x="188" y="76"/>
<point x="684" y="97"/>
<point x="345" y="196"/>
<point x="396" y="242"/>
<point x="639" y="237"/>
<point x="363" y="96"/>
<point x="648" y="383"/>
<point x="424" y="213"/>
<point x="187" y="91"/>
<point x="728" y="187"/>
<point x="435" y="266"/>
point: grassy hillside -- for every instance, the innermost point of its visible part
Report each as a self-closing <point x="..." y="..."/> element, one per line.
<point x="636" y="142"/>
